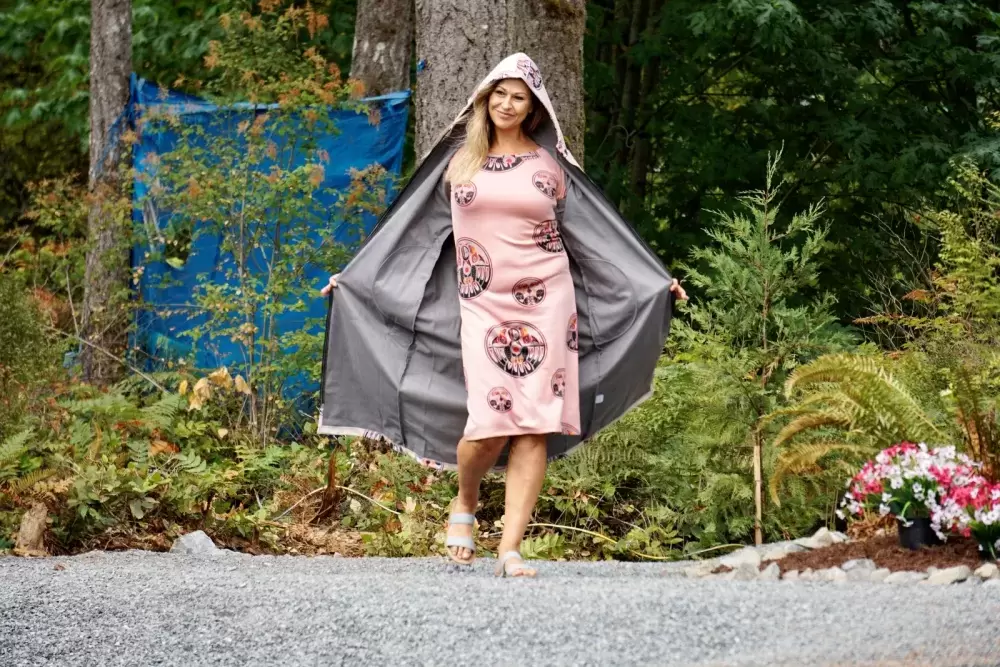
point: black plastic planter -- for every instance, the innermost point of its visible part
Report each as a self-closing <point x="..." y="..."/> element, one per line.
<point x="918" y="534"/>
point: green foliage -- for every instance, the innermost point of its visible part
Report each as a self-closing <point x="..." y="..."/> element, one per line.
<point x="25" y="354"/>
<point x="253" y="182"/>
<point x="871" y="99"/>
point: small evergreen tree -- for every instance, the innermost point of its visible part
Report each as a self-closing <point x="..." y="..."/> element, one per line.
<point x="760" y="318"/>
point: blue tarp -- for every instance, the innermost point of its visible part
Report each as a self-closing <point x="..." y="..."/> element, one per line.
<point x="166" y="313"/>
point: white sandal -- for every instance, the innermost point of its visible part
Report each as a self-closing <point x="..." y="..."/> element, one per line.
<point x="461" y="541"/>
<point x="505" y="569"/>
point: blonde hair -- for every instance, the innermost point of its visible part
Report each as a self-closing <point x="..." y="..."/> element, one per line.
<point x="479" y="133"/>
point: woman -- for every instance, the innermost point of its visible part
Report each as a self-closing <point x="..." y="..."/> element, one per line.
<point x="521" y="335"/>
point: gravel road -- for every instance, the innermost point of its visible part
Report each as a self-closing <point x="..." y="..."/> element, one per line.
<point x="138" y="608"/>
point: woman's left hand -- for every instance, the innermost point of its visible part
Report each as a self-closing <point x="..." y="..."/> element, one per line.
<point x="678" y="291"/>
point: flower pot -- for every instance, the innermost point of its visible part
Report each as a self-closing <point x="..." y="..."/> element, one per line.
<point x="918" y="534"/>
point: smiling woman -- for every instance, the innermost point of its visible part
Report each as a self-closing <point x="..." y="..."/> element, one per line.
<point x="484" y="309"/>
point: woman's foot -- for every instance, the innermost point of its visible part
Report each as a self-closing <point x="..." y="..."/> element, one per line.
<point x="512" y="565"/>
<point x="461" y="526"/>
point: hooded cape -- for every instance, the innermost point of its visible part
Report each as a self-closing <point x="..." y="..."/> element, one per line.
<point x="392" y="364"/>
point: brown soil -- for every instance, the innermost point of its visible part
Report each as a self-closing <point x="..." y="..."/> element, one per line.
<point x="885" y="552"/>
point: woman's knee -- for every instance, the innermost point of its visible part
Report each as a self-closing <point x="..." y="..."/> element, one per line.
<point x="490" y="444"/>
<point x="529" y="442"/>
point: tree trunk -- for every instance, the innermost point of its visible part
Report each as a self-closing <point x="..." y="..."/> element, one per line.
<point x="383" y="38"/>
<point x="461" y="44"/>
<point x="105" y="278"/>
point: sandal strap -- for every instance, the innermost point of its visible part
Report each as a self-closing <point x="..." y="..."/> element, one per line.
<point x="461" y="541"/>
<point x="515" y="567"/>
<point x="461" y="518"/>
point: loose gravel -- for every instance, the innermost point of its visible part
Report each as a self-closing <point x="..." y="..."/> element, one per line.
<point x="137" y="608"/>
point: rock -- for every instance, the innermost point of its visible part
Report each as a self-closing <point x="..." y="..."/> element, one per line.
<point x="859" y="569"/>
<point x="988" y="571"/>
<point x="700" y="570"/>
<point x="859" y="564"/>
<point x="744" y="572"/>
<point x="771" y="573"/>
<point x="746" y="555"/>
<point x="834" y="574"/>
<point x="195" y="543"/>
<point x="31" y="535"/>
<point x="839" y="537"/>
<point x="778" y="550"/>
<point x="879" y="575"/>
<point x="824" y="535"/>
<point x="949" y="575"/>
<point x="905" y="577"/>
<point x="791" y="575"/>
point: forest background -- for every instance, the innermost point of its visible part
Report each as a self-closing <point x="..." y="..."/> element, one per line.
<point x="822" y="175"/>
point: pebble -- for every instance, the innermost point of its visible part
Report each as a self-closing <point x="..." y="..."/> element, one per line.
<point x="950" y="575"/>
<point x="745" y="556"/>
<point x="988" y="571"/>
<point x="879" y="575"/>
<point x="771" y="573"/>
<point x="905" y="577"/>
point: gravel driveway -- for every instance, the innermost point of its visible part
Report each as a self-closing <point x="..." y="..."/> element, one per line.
<point x="138" y="608"/>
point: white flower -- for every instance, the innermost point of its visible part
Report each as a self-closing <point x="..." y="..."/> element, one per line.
<point x="840" y="514"/>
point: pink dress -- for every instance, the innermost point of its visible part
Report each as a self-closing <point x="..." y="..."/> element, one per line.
<point x="519" y="333"/>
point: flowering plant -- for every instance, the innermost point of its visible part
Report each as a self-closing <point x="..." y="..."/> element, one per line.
<point x="907" y="480"/>
<point x="971" y="509"/>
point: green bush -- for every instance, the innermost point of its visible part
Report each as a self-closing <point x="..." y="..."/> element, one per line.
<point x="25" y="355"/>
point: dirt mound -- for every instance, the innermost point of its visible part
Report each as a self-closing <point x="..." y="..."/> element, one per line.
<point x="886" y="552"/>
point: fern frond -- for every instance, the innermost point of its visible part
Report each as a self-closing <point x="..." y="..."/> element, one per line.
<point x="14" y="447"/>
<point x="813" y="420"/>
<point x="805" y="456"/>
<point x="163" y="413"/>
<point x="21" y="485"/>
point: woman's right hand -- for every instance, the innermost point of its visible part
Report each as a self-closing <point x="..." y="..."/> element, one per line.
<point x="329" y="286"/>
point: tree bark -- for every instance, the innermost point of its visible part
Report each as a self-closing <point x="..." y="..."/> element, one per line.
<point x="383" y="39"/>
<point x="462" y="43"/>
<point x="105" y="277"/>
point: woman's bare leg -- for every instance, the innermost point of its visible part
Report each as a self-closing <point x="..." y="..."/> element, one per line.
<point x="525" y="475"/>
<point x="475" y="458"/>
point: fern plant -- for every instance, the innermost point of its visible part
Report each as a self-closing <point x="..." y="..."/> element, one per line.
<point x="848" y="408"/>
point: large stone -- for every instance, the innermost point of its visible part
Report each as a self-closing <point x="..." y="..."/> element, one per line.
<point x="770" y="573"/>
<point x="905" y="577"/>
<point x="743" y="572"/>
<point x="834" y="574"/>
<point x="879" y="575"/>
<point x="988" y="571"/>
<point x="778" y="550"/>
<point x="821" y="538"/>
<point x="791" y="575"/>
<point x="700" y="570"/>
<point x="31" y="534"/>
<point x="745" y="556"/>
<point x="859" y="569"/>
<point x="839" y="537"/>
<point x="949" y="575"/>
<point x="196" y="543"/>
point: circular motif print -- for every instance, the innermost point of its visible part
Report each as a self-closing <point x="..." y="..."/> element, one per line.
<point x="475" y="270"/>
<point x="464" y="194"/>
<point x="500" y="399"/>
<point x="529" y="292"/>
<point x="546" y="182"/>
<point x="517" y="348"/>
<point x="572" y="336"/>
<point x="531" y="72"/>
<point x="568" y="429"/>
<point x="547" y="236"/>
<point x="559" y="382"/>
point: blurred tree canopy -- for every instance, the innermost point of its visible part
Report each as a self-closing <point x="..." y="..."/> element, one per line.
<point x="869" y="99"/>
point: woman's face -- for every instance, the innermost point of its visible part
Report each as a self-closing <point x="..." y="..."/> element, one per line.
<point x="510" y="103"/>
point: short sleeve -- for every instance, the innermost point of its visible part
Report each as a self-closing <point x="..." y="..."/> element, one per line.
<point x="561" y="184"/>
